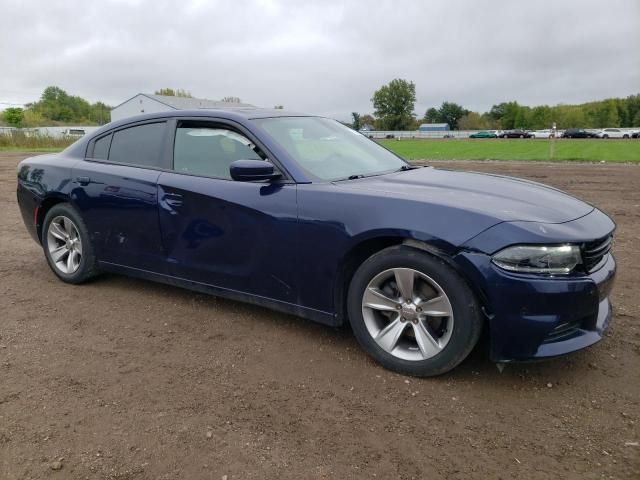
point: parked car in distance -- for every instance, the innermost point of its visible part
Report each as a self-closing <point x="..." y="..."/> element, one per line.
<point x="577" y="133"/>
<point x="636" y="134"/>
<point x="484" y="134"/>
<point x="306" y="216"/>
<point x="515" y="134"/>
<point x="612" y="133"/>
<point x="547" y="133"/>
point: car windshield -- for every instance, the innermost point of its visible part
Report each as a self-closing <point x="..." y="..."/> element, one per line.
<point x="328" y="150"/>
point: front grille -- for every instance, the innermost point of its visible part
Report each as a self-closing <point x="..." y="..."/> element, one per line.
<point x="594" y="252"/>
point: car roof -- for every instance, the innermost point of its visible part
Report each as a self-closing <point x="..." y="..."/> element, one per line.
<point x="239" y="113"/>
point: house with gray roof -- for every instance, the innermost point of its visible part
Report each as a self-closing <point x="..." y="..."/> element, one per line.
<point x="147" y="103"/>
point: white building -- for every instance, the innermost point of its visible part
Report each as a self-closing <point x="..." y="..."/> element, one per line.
<point x="147" y="103"/>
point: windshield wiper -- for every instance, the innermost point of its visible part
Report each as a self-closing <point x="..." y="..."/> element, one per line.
<point x="360" y="175"/>
<point x="404" y="168"/>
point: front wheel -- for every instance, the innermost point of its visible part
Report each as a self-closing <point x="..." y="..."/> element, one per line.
<point x="67" y="246"/>
<point x="412" y="312"/>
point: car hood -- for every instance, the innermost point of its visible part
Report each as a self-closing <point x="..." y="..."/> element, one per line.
<point x="504" y="198"/>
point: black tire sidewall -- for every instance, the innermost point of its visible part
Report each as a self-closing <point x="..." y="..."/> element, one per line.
<point x="87" y="266"/>
<point x="467" y="315"/>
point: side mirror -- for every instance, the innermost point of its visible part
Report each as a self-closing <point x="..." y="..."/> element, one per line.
<point x="251" y="170"/>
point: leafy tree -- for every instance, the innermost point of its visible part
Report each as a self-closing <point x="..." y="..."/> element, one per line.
<point x="570" y="116"/>
<point x="231" y="99"/>
<point x="609" y="116"/>
<point x="497" y="112"/>
<point x="509" y="115"/>
<point x="451" y="113"/>
<point x="58" y="107"/>
<point x="522" y="118"/>
<point x="633" y="109"/>
<point x="432" y="116"/>
<point x="367" y="120"/>
<point x="474" y="121"/>
<point x="356" y="122"/>
<point x="13" y="116"/>
<point x="394" y="104"/>
<point x="541" y="117"/>
<point x="170" y="92"/>
<point x="100" y="113"/>
<point x="33" y="118"/>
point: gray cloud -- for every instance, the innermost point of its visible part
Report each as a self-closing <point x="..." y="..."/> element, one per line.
<point x="323" y="57"/>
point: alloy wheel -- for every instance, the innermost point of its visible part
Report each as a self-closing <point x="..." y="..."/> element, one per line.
<point x="407" y="314"/>
<point x="64" y="244"/>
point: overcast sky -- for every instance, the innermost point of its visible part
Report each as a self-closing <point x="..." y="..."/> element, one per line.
<point x="324" y="57"/>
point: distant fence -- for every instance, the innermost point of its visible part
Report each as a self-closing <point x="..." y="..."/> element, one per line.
<point x="409" y="134"/>
<point x="418" y="134"/>
<point x="52" y="132"/>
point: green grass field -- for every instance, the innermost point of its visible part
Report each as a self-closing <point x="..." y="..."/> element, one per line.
<point x="618" y="151"/>
<point x="596" y="150"/>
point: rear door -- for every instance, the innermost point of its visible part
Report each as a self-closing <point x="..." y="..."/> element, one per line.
<point x="116" y="192"/>
<point x="235" y="235"/>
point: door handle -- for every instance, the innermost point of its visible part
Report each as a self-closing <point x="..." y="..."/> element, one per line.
<point x="83" y="180"/>
<point x="173" y="199"/>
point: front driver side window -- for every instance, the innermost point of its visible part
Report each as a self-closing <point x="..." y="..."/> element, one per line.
<point x="209" y="150"/>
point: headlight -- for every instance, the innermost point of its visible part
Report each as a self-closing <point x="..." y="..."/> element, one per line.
<point x="552" y="260"/>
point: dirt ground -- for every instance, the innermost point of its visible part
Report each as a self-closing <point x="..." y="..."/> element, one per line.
<point x="126" y="379"/>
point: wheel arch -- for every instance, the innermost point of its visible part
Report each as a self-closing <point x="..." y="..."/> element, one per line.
<point x="354" y="257"/>
<point x="367" y="247"/>
<point x="47" y="204"/>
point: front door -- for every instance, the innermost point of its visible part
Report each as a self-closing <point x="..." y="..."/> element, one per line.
<point x="239" y="236"/>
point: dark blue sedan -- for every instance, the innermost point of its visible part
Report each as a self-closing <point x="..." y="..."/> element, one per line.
<point x="303" y="215"/>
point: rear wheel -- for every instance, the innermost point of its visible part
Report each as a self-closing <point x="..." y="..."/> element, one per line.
<point x="67" y="246"/>
<point x="625" y="136"/>
<point x="412" y="312"/>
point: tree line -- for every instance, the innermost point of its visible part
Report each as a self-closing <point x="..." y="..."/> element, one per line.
<point x="394" y="106"/>
<point x="57" y="107"/>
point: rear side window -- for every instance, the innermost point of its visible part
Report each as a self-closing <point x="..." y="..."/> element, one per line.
<point x="101" y="148"/>
<point x="209" y="151"/>
<point x="140" y="145"/>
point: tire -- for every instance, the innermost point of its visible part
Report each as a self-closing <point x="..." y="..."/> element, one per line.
<point x="521" y="136"/>
<point x="377" y="312"/>
<point x="67" y="245"/>
<point x="605" y="136"/>
<point x="625" y="137"/>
